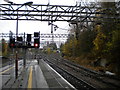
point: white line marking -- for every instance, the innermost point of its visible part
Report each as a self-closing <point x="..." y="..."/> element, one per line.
<point x="62" y="77"/>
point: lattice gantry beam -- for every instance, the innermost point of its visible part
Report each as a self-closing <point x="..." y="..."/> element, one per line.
<point x="50" y="12"/>
<point x="39" y="12"/>
<point x="7" y="35"/>
<point x="55" y="35"/>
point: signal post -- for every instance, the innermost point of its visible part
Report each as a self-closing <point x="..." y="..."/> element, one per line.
<point x="20" y="43"/>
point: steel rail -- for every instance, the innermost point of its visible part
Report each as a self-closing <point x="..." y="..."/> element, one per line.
<point x="86" y="72"/>
<point x="77" y="82"/>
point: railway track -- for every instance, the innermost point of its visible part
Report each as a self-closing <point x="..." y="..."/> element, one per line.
<point x="96" y="79"/>
<point x="77" y="82"/>
<point x="95" y="75"/>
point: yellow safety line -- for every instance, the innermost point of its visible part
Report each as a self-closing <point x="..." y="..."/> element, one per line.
<point x="30" y="79"/>
<point x="6" y="70"/>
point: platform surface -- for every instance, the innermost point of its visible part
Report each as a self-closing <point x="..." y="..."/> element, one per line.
<point x="36" y="75"/>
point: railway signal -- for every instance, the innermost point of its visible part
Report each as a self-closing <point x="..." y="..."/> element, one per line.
<point x="36" y="39"/>
<point x="19" y="42"/>
<point x="36" y="34"/>
<point x="12" y="42"/>
<point x="19" y="39"/>
<point x="36" y="43"/>
<point x="28" y="39"/>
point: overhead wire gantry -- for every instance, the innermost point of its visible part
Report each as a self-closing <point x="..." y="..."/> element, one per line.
<point x="79" y="13"/>
<point x="40" y="12"/>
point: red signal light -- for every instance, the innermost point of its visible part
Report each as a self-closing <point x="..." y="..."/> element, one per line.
<point x="12" y="45"/>
<point x="36" y="44"/>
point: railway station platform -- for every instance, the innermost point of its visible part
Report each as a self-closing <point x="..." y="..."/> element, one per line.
<point x="38" y="76"/>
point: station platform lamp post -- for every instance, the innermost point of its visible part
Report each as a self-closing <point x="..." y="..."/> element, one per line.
<point x="16" y="60"/>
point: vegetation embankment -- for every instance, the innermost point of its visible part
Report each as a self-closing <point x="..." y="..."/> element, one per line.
<point x="96" y="46"/>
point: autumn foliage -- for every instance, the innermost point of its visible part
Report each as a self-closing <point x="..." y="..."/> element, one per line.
<point x="102" y="41"/>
